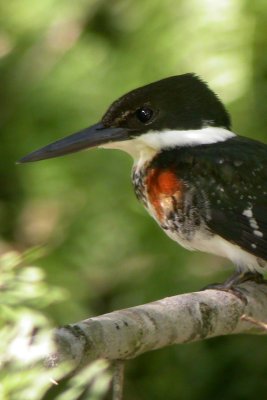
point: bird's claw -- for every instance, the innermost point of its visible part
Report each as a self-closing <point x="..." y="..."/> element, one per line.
<point x="230" y="285"/>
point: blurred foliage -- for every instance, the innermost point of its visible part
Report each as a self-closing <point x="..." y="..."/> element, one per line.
<point x="61" y="64"/>
<point x="25" y="339"/>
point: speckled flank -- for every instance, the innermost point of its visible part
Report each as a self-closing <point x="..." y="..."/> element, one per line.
<point x="204" y="197"/>
<point x="173" y="205"/>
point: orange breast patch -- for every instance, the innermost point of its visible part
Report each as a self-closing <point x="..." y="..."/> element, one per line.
<point x="161" y="187"/>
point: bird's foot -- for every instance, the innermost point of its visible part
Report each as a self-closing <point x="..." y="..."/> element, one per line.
<point x="229" y="289"/>
<point x="231" y="283"/>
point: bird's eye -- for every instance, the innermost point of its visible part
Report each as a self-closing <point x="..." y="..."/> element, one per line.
<point x="144" y="114"/>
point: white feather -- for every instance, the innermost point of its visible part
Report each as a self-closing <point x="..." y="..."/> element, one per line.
<point x="172" y="138"/>
<point x="143" y="148"/>
<point x="220" y="247"/>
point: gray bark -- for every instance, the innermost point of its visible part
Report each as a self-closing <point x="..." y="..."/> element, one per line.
<point x="127" y="333"/>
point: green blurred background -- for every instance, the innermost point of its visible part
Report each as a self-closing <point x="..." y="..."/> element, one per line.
<point x="61" y="64"/>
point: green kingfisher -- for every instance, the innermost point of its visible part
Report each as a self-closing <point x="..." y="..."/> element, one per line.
<point x="204" y="185"/>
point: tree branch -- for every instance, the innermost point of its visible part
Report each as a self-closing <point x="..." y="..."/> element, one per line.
<point x="185" y="318"/>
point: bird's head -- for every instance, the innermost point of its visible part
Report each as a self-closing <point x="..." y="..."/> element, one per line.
<point x="176" y="111"/>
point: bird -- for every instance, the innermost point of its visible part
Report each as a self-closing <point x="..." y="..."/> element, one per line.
<point x="205" y="185"/>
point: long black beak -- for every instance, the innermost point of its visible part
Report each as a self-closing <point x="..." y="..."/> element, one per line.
<point x="90" y="137"/>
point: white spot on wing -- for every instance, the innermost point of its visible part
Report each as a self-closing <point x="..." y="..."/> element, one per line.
<point x="258" y="233"/>
<point x="252" y="222"/>
<point x="248" y="213"/>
